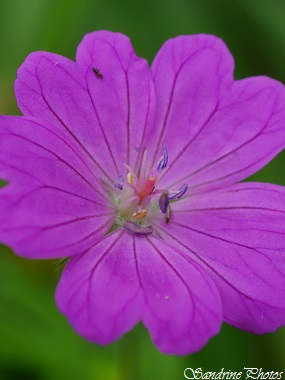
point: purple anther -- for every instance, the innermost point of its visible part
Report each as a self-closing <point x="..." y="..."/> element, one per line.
<point x="136" y="229"/>
<point x="119" y="182"/>
<point x="163" y="163"/>
<point x="180" y="192"/>
<point x="164" y="202"/>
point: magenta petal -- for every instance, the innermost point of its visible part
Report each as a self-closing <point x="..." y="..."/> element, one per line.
<point x="183" y="307"/>
<point x="217" y="131"/>
<point x="124" y="279"/>
<point x="189" y="73"/>
<point x="238" y="235"/>
<point x="105" y="116"/>
<point x="124" y="99"/>
<point x="99" y="291"/>
<point x="53" y="206"/>
<point x="199" y="248"/>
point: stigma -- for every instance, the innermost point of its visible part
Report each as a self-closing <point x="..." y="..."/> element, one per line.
<point x="138" y="195"/>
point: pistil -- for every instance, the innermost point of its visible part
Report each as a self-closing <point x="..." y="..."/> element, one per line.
<point x="140" y="196"/>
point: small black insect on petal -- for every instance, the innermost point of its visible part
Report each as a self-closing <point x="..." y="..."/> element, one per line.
<point x="97" y="72"/>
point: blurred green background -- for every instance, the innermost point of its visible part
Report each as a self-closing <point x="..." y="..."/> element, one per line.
<point x="36" y="343"/>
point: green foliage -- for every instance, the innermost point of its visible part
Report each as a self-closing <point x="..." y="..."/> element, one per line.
<point x="2" y="183"/>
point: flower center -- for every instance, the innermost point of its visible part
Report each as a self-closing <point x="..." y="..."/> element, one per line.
<point x="138" y="197"/>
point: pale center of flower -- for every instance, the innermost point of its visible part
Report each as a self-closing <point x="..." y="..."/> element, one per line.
<point x="138" y="197"/>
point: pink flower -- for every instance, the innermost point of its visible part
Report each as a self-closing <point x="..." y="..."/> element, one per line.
<point x="133" y="173"/>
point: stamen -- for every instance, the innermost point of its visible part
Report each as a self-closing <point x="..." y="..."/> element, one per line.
<point x="141" y="193"/>
<point x="119" y="182"/>
<point x="143" y="165"/>
<point x="130" y="178"/>
<point x="168" y="213"/>
<point x="163" y="163"/>
<point x="164" y="201"/>
<point x="180" y="192"/>
<point x="140" y="214"/>
<point x="136" y="229"/>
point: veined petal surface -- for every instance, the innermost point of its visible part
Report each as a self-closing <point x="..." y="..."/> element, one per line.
<point x="218" y="255"/>
<point x="53" y="205"/>
<point x="217" y="131"/>
<point x="125" y="279"/>
<point x="106" y="117"/>
<point x="237" y="235"/>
